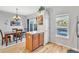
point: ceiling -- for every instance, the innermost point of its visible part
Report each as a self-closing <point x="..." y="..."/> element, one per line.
<point x="23" y="10"/>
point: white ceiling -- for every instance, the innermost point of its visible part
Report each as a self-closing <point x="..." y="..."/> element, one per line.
<point x="23" y="10"/>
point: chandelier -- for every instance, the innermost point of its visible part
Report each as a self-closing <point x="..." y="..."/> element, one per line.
<point x="16" y="17"/>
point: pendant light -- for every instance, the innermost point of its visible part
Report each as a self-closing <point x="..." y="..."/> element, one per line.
<point x="40" y="10"/>
<point x="16" y="17"/>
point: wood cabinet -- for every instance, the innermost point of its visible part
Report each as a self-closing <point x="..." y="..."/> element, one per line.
<point x="33" y="41"/>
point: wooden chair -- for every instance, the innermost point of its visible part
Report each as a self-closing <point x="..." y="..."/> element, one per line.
<point x="3" y="37"/>
<point x="18" y="34"/>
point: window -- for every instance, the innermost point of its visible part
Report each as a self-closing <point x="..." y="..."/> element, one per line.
<point x="62" y="26"/>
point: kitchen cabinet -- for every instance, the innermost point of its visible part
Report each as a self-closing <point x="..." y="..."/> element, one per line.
<point x="34" y="40"/>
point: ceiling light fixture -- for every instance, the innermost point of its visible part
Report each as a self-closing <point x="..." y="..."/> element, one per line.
<point x="16" y="17"/>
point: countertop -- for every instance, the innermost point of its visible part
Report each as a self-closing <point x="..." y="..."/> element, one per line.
<point x="34" y="32"/>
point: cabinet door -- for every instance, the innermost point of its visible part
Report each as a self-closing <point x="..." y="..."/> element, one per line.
<point x="35" y="41"/>
<point x="41" y="38"/>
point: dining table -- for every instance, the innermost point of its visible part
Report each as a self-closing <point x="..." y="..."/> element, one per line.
<point x="6" y="34"/>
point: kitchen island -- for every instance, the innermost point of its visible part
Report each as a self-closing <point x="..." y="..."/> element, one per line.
<point x="34" y="40"/>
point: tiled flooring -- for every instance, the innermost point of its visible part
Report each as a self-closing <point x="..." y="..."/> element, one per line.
<point x="49" y="48"/>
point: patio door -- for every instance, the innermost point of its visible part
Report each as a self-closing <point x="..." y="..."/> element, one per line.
<point x="31" y="24"/>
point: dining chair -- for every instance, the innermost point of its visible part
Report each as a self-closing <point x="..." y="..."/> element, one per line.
<point x="4" y="38"/>
<point x="17" y="35"/>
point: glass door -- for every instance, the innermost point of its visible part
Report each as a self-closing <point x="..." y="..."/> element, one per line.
<point x="32" y="24"/>
<point x="35" y="25"/>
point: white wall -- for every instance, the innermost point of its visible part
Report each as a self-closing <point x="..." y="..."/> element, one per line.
<point x="73" y="13"/>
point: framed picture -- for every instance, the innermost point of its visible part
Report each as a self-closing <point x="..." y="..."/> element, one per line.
<point x="62" y="25"/>
<point x="15" y="23"/>
<point x="39" y="19"/>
